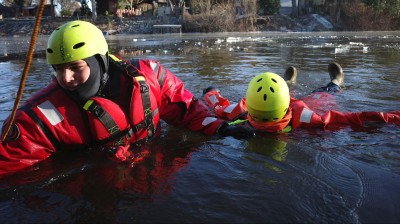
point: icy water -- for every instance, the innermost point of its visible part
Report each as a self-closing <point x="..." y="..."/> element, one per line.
<point x="305" y="176"/>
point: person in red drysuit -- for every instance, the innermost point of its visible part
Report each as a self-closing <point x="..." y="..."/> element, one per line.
<point x="99" y="100"/>
<point x="268" y="106"/>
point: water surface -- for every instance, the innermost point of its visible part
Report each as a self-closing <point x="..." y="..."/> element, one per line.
<point x="307" y="176"/>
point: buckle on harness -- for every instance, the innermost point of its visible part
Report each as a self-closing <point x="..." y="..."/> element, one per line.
<point x="98" y="111"/>
<point x="148" y="113"/>
<point x="144" y="88"/>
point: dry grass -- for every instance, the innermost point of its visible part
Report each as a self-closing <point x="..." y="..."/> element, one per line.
<point x="219" y="18"/>
<point x="358" y="17"/>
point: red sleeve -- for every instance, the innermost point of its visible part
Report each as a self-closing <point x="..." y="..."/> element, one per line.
<point x="303" y="116"/>
<point x="223" y="108"/>
<point x="178" y="106"/>
<point x="362" y="119"/>
<point x="34" y="136"/>
<point x="24" y="146"/>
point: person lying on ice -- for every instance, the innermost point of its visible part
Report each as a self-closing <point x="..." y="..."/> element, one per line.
<point x="268" y="106"/>
<point x="98" y="100"/>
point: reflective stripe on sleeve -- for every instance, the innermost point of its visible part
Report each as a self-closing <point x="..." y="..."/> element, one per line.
<point x="213" y="99"/>
<point x="306" y="115"/>
<point x="230" y="108"/>
<point x="50" y="112"/>
<point x="208" y="120"/>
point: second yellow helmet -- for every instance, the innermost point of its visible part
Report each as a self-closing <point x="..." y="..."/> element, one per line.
<point x="267" y="97"/>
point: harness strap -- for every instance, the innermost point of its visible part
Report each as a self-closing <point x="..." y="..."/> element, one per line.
<point x="134" y="72"/>
<point x="144" y="90"/>
<point x="107" y="121"/>
<point x="148" y="113"/>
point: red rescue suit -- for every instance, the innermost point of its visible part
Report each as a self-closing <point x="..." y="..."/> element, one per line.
<point x="302" y="113"/>
<point x="142" y="91"/>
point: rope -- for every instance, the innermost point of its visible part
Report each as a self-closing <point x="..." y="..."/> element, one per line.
<point x="28" y="63"/>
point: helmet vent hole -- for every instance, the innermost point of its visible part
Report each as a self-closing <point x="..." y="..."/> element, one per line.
<point x="75" y="25"/>
<point x="272" y="89"/>
<point x="265" y="97"/>
<point x="274" y="80"/>
<point x="49" y="50"/>
<point x="275" y="118"/>
<point x="259" y="89"/>
<point x="259" y="80"/>
<point x="78" y="45"/>
<point x="285" y="110"/>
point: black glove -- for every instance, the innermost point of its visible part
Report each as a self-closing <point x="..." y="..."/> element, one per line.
<point x="236" y="131"/>
<point x="208" y="89"/>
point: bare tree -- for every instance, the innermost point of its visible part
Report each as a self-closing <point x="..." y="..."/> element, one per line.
<point x="294" y="8"/>
<point x="52" y="8"/>
<point x="94" y="13"/>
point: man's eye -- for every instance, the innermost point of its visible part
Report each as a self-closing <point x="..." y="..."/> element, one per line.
<point x="76" y="68"/>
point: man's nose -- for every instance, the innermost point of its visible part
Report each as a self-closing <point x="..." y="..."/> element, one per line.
<point x="67" y="75"/>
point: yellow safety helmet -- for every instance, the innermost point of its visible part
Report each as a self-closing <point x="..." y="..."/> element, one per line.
<point x="73" y="41"/>
<point x="267" y="97"/>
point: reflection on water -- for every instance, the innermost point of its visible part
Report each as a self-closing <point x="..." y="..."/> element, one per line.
<point x="308" y="175"/>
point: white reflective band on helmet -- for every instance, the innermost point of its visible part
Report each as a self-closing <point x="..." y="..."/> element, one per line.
<point x="306" y="115"/>
<point x="230" y="108"/>
<point x="50" y="112"/>
<point x="208" y="120"/>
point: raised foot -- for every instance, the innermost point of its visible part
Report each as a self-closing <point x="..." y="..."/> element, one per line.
<point x="336" y="73"/>
<point x="290" y="75"/>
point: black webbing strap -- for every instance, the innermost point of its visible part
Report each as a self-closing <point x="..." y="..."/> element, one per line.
<point x="132" y="70"/>
<point x="107" y="121"/>
<point x="134" y="73"/>
<point x="148" y="113"/>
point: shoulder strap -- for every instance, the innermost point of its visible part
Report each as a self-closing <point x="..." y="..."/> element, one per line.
<point x="133" y="68"/>
<point x="124" y="66"/>
<point x="107" y="121"/>
<point x="148" y="113"/>
<point x="133" y="71"/>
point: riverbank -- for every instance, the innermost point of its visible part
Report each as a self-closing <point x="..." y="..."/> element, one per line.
<point x="144" y="25"/>
<point x="22" y="27"/>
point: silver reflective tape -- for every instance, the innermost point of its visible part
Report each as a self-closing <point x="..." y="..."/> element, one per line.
<point x="213" y="99"/>
<point x="208" y="120"/>
<point x="50" y="112"/>
<point x="230" y="108"/>
<point x="306" y="115"/>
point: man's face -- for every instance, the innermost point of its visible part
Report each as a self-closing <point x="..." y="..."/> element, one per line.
<point x="73" y="74"/>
